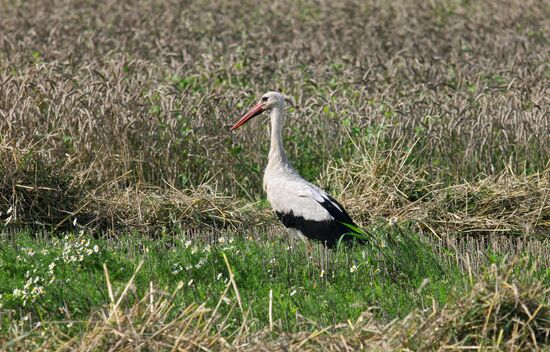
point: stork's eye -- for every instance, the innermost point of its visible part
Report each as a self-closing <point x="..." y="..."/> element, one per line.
<point x="264" y="99"/>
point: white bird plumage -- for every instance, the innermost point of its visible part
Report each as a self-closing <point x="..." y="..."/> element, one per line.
<point x="301" y="206"/>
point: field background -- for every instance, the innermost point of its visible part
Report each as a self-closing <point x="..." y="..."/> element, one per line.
<point x="114" y="122"/>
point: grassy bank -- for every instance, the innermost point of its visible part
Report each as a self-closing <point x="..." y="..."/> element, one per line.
<point x="257" y="281"/>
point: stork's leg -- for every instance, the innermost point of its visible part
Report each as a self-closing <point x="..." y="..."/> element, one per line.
<point x="298" y="235"/>
<point x="309" y="248"/>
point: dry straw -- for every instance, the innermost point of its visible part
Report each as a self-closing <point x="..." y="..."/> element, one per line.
<point x="385" y="187"/>
<point x="38" y="193"/>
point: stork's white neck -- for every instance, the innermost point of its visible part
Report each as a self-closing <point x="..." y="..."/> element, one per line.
<point x="277" y="154"/>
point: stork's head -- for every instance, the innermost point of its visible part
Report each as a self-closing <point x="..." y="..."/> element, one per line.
<point x="268" y="102"/>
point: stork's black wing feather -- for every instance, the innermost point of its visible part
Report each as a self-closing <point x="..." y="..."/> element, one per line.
<point x="337" y="214"/>
<point x="341" y="217"/>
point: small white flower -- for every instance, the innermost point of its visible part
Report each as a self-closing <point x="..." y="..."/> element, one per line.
<point x="96" y="248"/>
<point x="51" y="266"/>
<point x="353" y="268"/>
<point x="322" y="273"/>
<point x="221" y="240"/>
<point x="187" y="244"/>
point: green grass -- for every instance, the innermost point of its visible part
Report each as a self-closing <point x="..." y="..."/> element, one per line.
<point x="322" y="286"/>
<point x="401" y="273"/>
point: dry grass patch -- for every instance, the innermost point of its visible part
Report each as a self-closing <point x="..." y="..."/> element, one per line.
<point x="33" y="190"/>
<point x="151" y="209"/>
<point x="37" y="192"/>
<point x="386" y="187"/>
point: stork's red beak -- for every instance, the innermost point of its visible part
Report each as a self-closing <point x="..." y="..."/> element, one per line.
<point x="255" y="111"/>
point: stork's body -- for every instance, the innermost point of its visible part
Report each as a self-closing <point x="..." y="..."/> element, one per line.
<point x="302" y="207"/>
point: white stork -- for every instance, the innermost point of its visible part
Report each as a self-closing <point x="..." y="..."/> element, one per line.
<point x="302" y="207"/>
